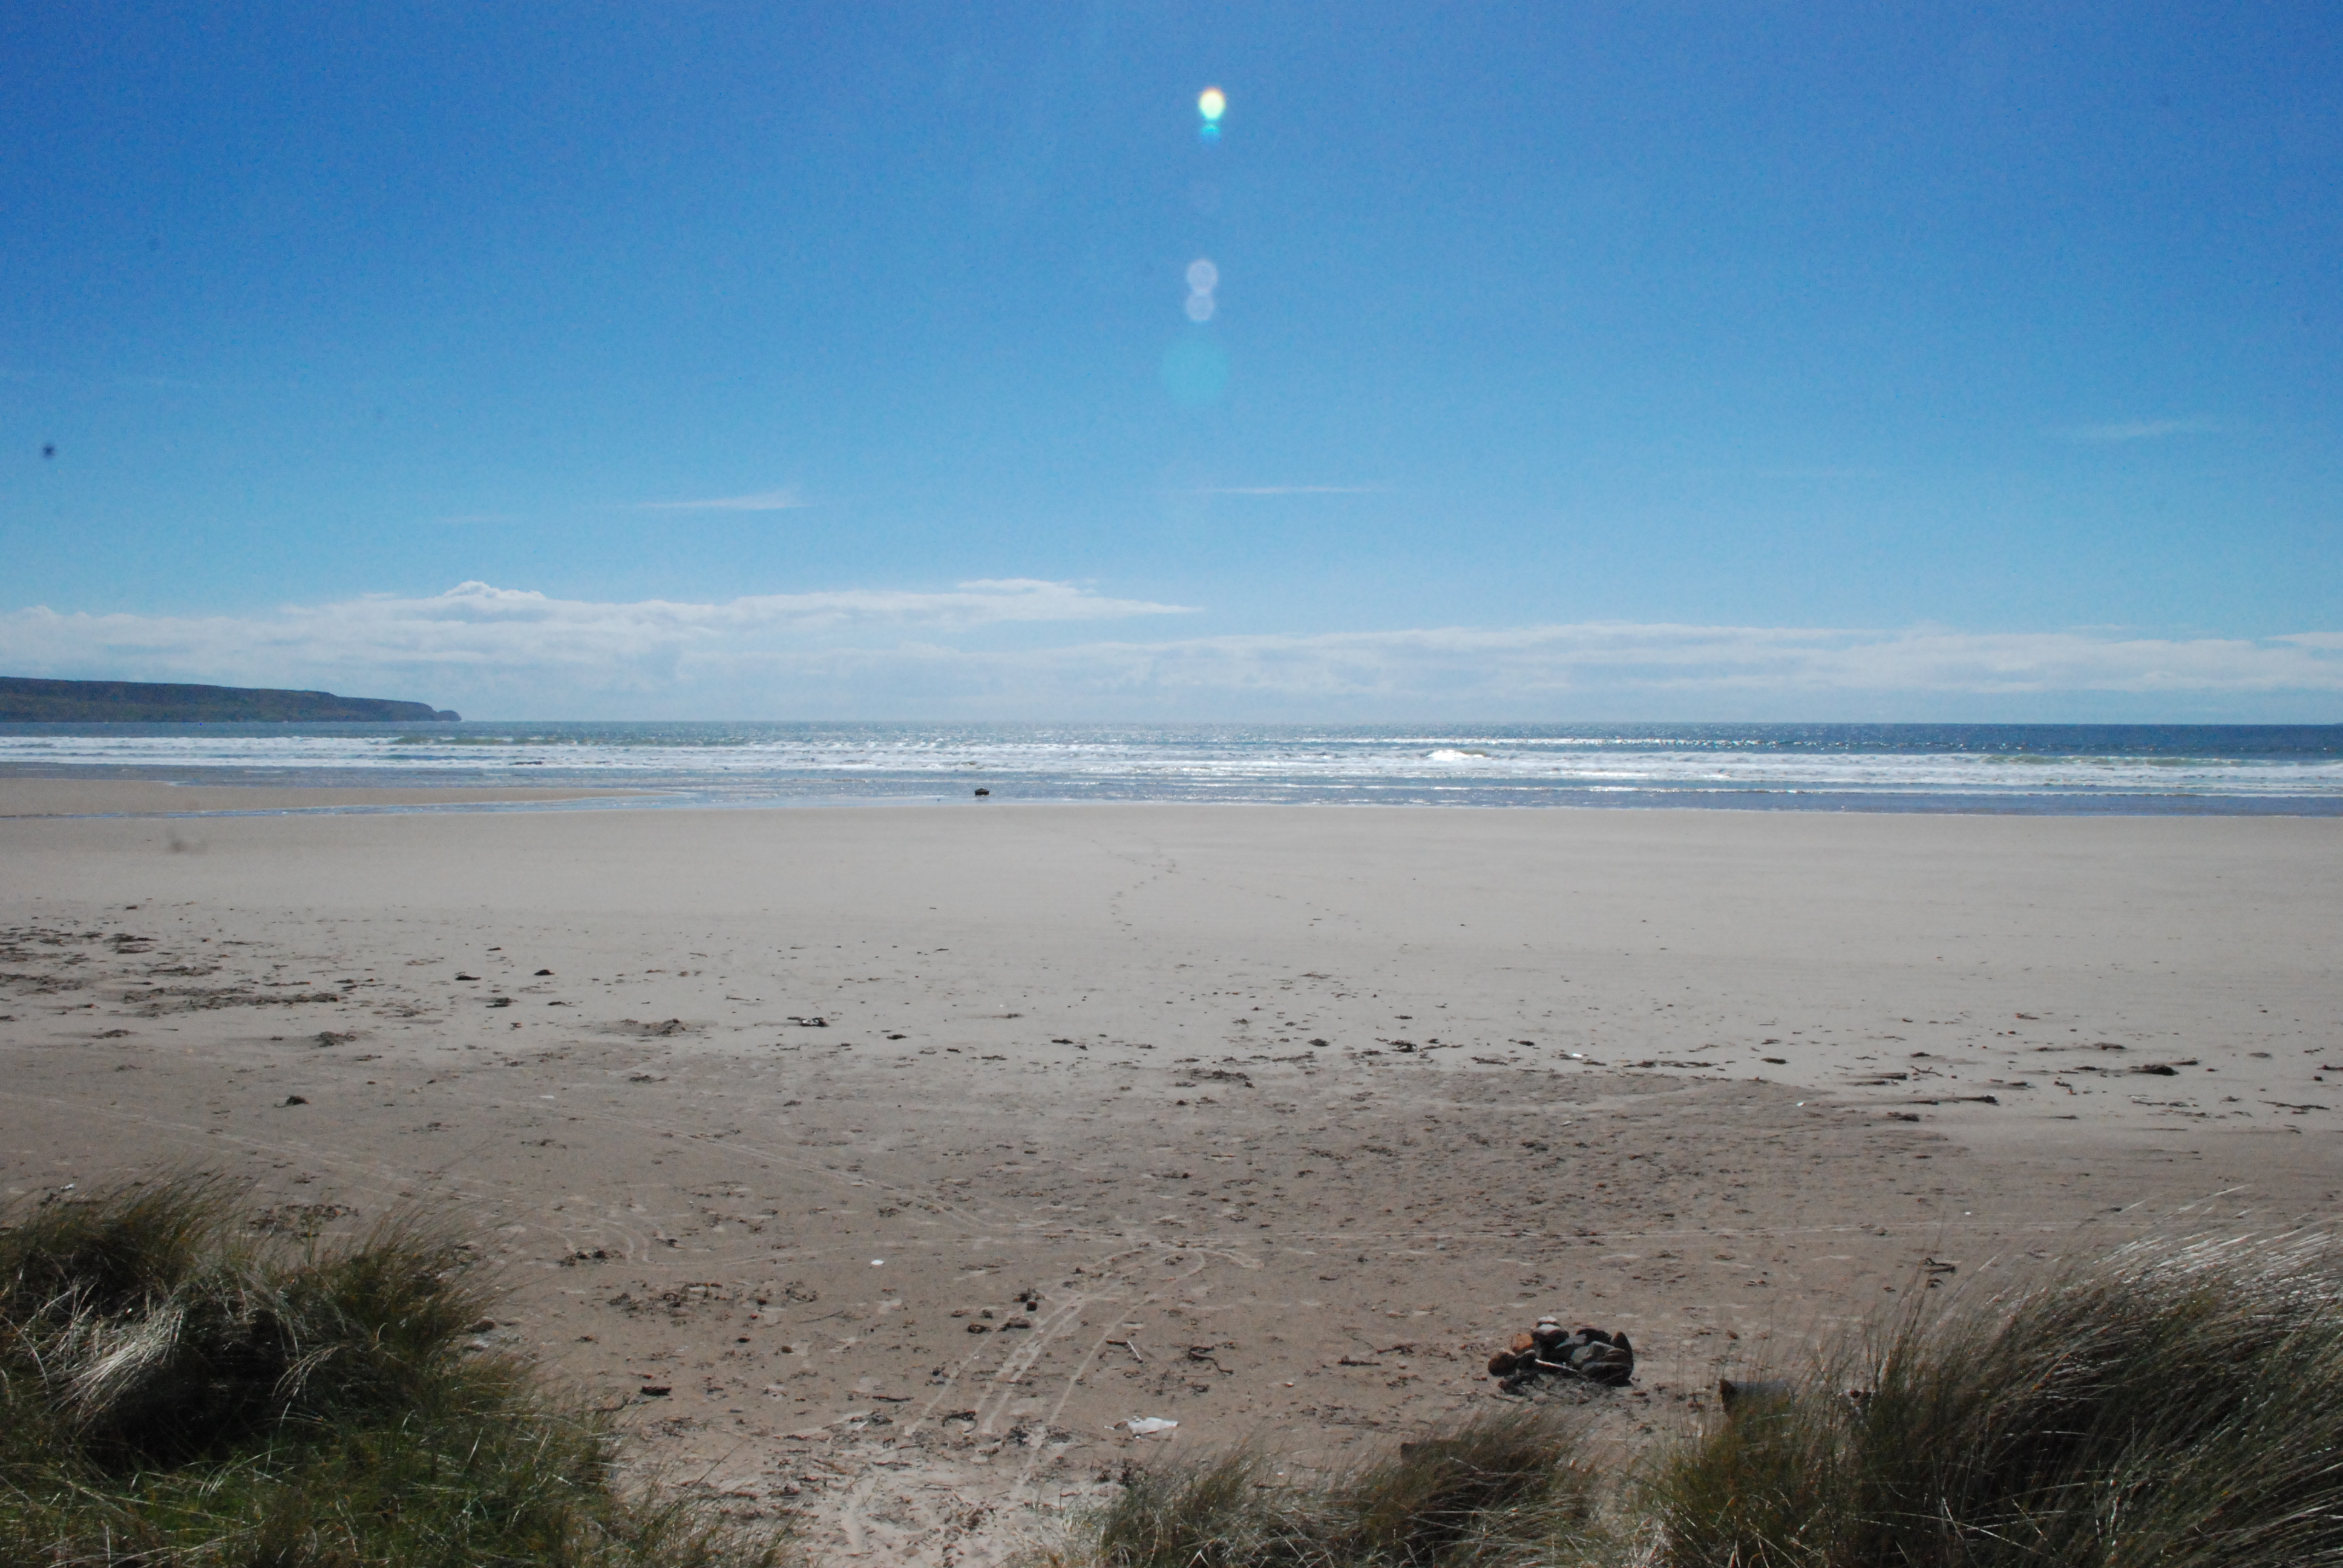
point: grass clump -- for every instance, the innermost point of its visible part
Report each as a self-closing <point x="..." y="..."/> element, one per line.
<point x="176" y="1388"/>
<point x="1501" y="1492"/>
<point x="2179" y="1406"/>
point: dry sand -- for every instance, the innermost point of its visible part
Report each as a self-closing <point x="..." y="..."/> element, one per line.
<point x="1277" y="1119"/>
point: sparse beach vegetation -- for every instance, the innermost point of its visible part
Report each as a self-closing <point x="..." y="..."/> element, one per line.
<point x="2180" y="1405"/>
<point x="1505" y="1491"/>
<point x="179" y="1386"/>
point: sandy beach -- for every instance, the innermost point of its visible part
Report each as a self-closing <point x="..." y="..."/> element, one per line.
<point x="880" y="1160"/>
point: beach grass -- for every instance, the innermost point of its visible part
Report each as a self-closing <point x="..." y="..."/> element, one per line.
<point x="1502" y="1492"/>
<point x="2180" y="1405"/>
<point x="179" y="1387"/>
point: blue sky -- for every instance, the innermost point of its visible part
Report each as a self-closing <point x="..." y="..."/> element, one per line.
<point x="703" y="360"/>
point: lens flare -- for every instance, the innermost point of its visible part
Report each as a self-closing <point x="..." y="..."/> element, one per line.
<point x="1203" y="278"/>
<point x="1212" y="104"/>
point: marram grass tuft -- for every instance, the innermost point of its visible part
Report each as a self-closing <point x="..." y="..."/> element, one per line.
<point x="178" y="1388"/>
<point x="2173" y="1405"/>
<point x="2179" y="1405"/>
<point x="1504" y="1491"/>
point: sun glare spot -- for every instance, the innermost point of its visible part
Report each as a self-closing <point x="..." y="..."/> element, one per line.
<point x="1212" y="104"/>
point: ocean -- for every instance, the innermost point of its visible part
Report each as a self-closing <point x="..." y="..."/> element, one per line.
<point x="2059" y="770"/>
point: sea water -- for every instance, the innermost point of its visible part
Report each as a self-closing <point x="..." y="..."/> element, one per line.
<point x="2038" y="768"/>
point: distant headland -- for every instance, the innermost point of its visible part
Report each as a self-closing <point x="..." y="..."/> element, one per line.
<point x="26" y="701"/>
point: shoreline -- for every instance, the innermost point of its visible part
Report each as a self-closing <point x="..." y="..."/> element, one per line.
<point x="46" y="795"/>
<point x="114" y="795"/>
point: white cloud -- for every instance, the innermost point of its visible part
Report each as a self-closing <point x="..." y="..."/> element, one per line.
<point x="1281" y="490"/>
<point x="2140" y="430"/>
<point x="764" y="501"/>
<point x="479" y="637"/>
<point x="1532" y="661"/>
<point x="878" y="653"/>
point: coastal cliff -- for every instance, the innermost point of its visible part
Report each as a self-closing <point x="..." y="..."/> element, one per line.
<point x="23" y="701"/>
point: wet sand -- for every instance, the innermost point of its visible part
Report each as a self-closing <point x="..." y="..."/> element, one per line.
<point x="1277" y="1120"/>
<point x="150" y="798"/>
